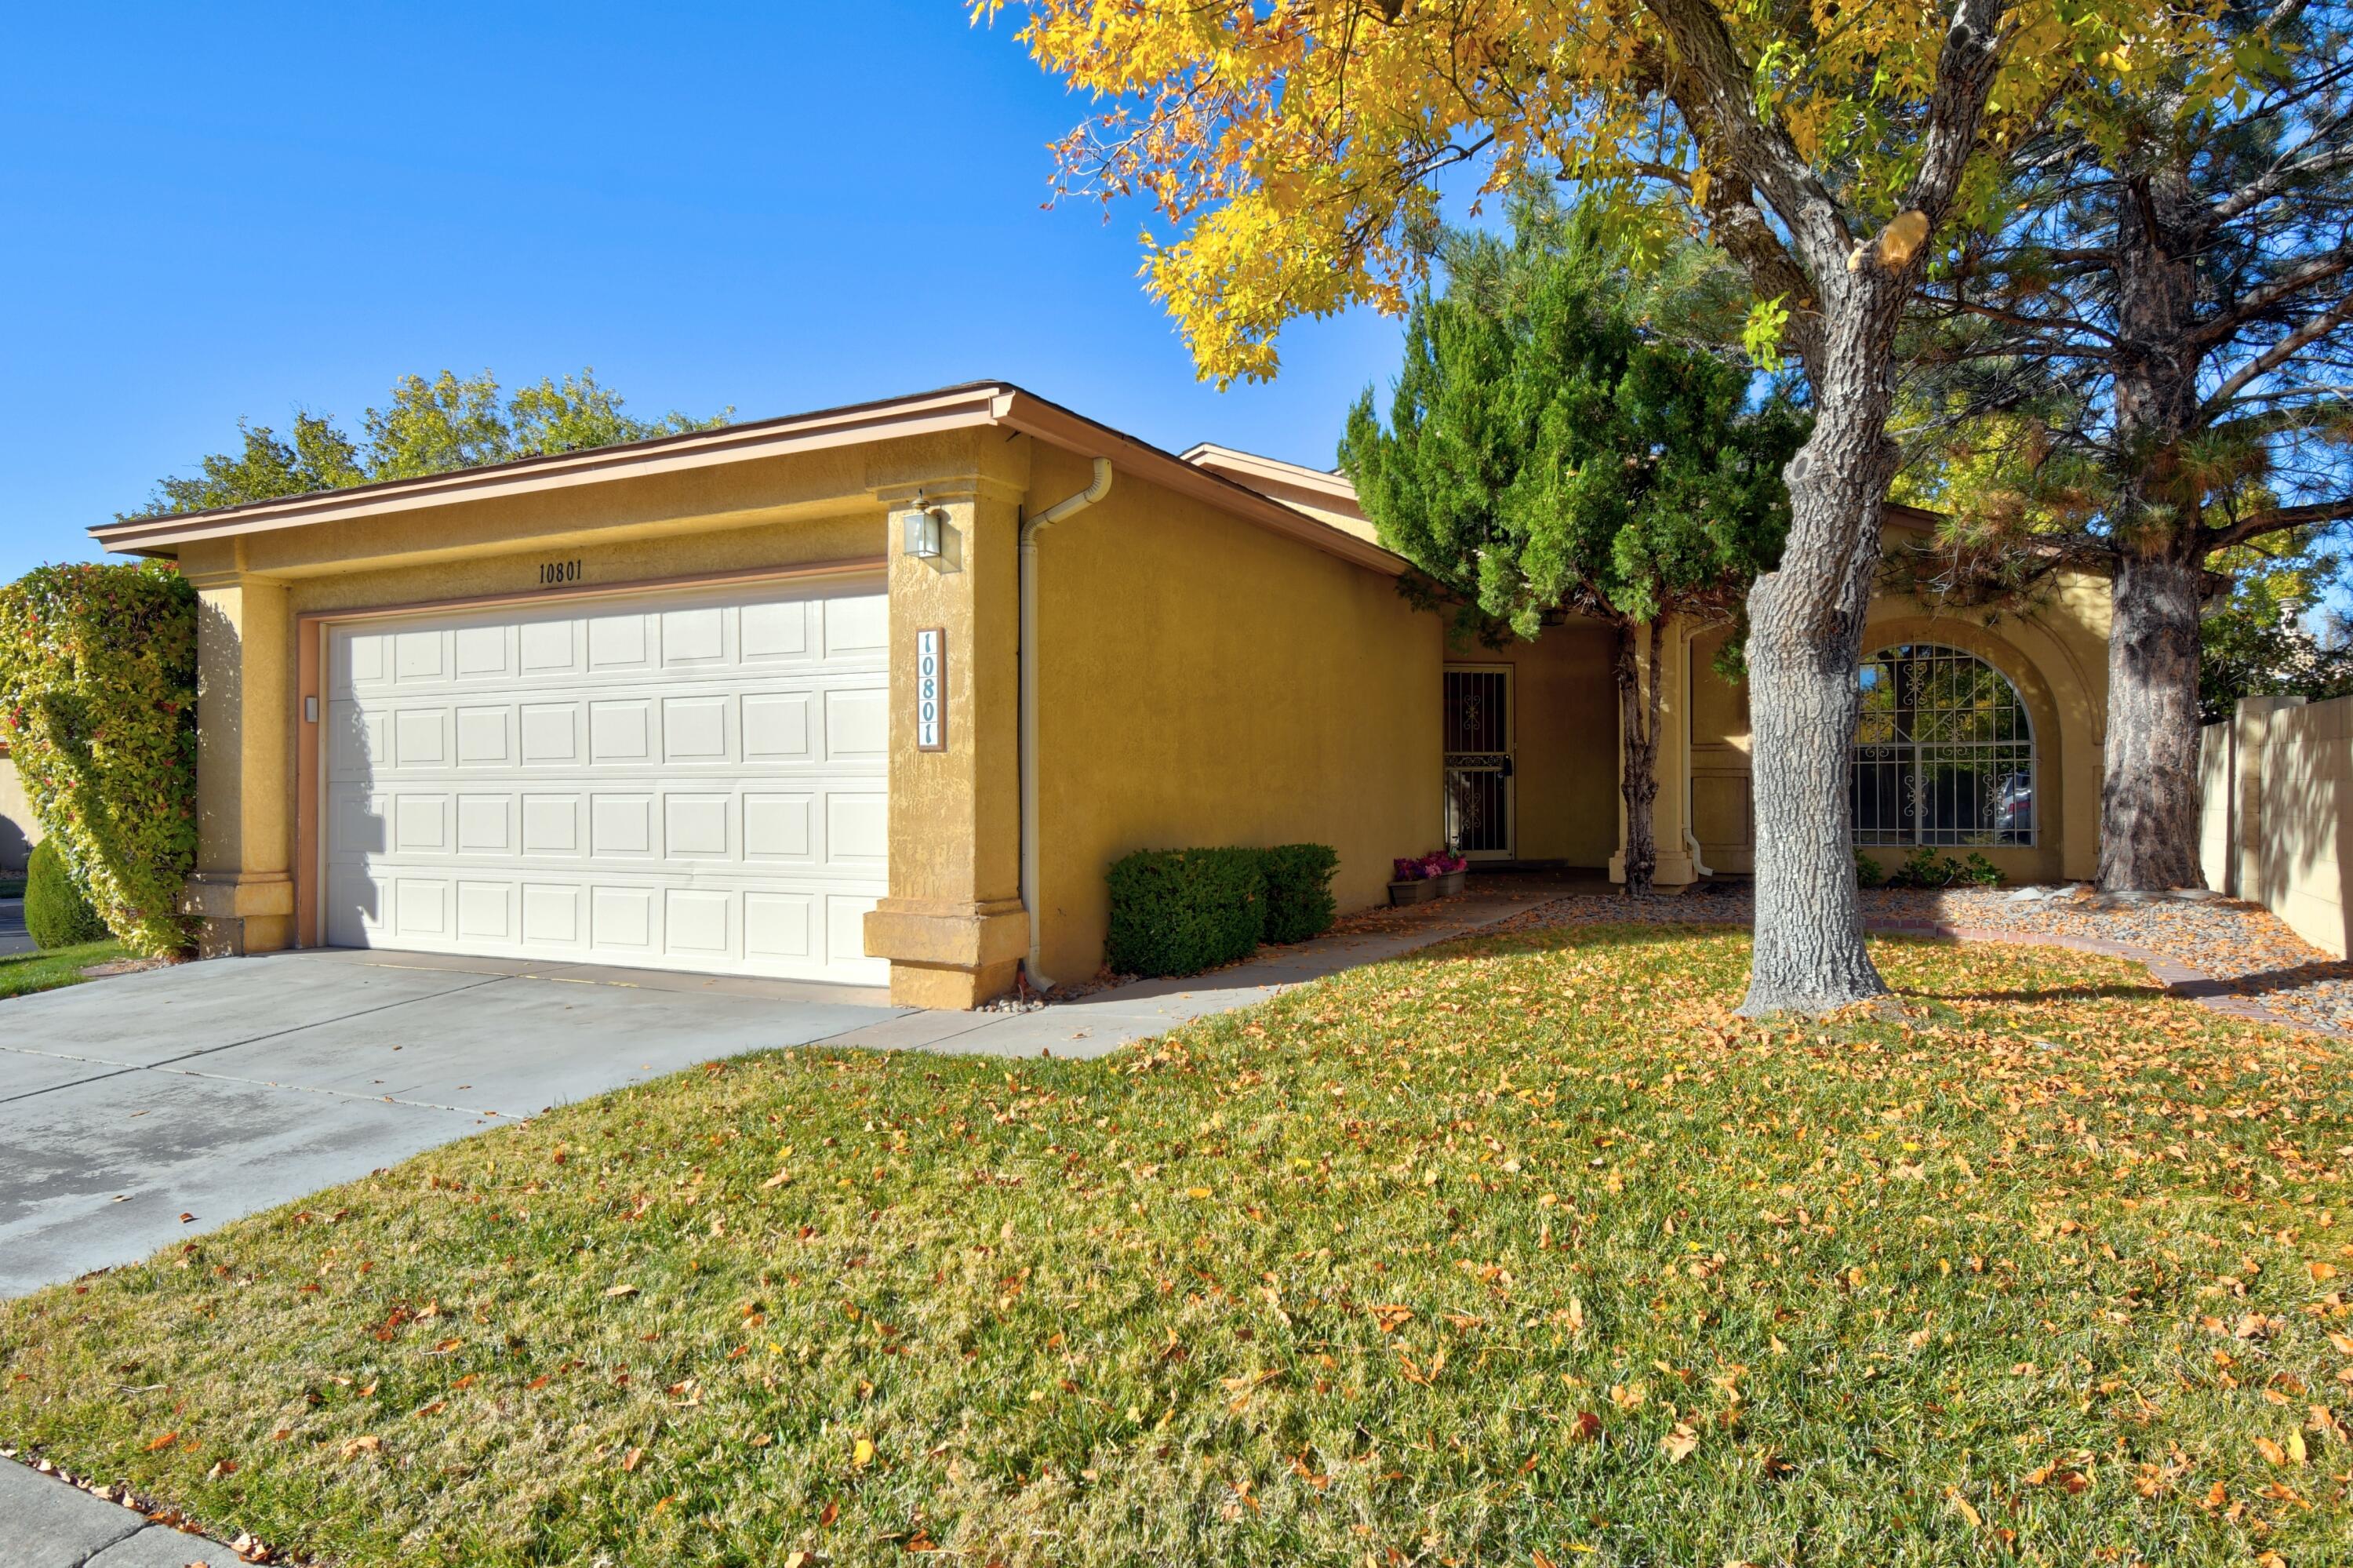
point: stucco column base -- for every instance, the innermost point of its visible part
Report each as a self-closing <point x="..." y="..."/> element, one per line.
<point x="949" y="954"/>
<point x="241" y="913"/>
<point x="950" y="986"/>
<point x="1674" y="868"/>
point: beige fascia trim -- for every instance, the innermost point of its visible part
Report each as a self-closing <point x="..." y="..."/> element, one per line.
<point x="1238" y="464"/>
<point x="958" y="410"/>
<point x="1059" y="426"/>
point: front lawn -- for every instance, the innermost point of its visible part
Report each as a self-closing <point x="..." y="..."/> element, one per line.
<point x="24" y="974"/>
<point x="1522" y="1251"/>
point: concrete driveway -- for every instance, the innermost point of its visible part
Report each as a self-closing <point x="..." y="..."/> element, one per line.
<point x="13" y="938"/>
<point x="217" y="1089"/>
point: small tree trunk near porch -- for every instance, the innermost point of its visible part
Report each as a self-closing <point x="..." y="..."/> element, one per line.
<point x="2149" y="797"/>
<point x="1638" y="724"/>
<point x="1804" y="646"/>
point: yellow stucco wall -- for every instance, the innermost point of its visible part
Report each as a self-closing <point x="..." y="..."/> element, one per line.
<point x="1565" y="724"/>
<point x="2057" y="658"/>
<point x="1205" y="682"/>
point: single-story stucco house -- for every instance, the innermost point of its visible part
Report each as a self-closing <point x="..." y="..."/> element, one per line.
<point x="881" y="692"/>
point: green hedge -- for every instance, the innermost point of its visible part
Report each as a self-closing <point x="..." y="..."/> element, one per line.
<point x="1178" y="912"/>
<point x="97" y="695"/>
<point x="57" y="914"/>
<point x="1299" y="902"/>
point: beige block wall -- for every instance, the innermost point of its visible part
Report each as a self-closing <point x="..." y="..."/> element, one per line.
<point x="2271" y="832"/>
<point x="1205" y="682"/>
<point x="19" y="828"/>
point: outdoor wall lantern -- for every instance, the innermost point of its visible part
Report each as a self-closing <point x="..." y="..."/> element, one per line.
<point x="922" y="529"/>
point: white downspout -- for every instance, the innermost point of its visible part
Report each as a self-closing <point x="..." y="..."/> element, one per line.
<point x="1030" y="528"/>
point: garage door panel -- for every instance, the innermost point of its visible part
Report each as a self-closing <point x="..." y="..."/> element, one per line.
<point x="697" y="782"/>
<point x="698" y="730"/>
<point x="551" y="734"/>
<point x="777" y="825"/>
<point x="621" y="641"/>
<point x="772" y="633"/>
<point x="857" y="726"/>
<point x="621" y="824"/>
<point x="621" y="731"/>
<point x="483" y="653"/>
<point x="486" y="912"/>
<point x="549" y="648"/>
<point x="420" y="908"/>
<point x="419" y="658"/>
<point x="855" y="626"/>
<point x="486" y="824"/>
<point x="621" y="918"/>
<point x="550" y="824"/>
<point x="552" y="916"/>
<point x="857" y="829"/>
<point x="695" y="638"/>
<point x="421" y="738"/>
<point x="486" y="737"/>
<point x="695" y="827"/>
<point x="777" y="727"/>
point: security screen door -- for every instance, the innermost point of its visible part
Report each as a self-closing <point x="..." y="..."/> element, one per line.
<point x="1479" y="760"/>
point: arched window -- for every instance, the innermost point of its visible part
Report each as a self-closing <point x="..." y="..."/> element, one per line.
<point x="1944" y="754"/>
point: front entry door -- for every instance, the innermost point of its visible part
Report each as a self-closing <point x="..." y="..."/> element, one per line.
<point x="1479" y="760"/>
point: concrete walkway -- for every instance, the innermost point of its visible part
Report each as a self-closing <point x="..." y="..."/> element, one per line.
<point x="47" y="1522"/>
<point x="1100" y="1023"/>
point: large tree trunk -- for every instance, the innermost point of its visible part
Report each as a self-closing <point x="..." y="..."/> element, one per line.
<point x="2149" y="797"/>
<point x="1638" y="726"/>
<point x="1804" y="647"/>
<point x="2149" y="794"/>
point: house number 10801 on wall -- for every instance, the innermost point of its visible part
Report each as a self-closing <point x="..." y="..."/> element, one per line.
<point x="930" y="689"/>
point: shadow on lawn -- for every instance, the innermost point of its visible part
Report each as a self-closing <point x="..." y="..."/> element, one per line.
<point x="1537" y="939"/>
<point x="2045" y="993"/>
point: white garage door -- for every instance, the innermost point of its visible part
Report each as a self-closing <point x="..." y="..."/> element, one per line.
<point x="693" y="781"/>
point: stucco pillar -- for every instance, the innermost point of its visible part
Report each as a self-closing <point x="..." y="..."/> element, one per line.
<point x="953" y="925"/>
<point x="245" y="774"/>
<point x="1669" y="817"/>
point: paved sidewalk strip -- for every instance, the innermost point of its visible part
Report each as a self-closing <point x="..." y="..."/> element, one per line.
<point x="1104" y="1020"/>
<point x="48" y="1522"/>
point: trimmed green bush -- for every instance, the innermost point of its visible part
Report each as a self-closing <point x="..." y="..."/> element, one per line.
<point x="97" y="694"/>
<point x="1177" y="912"/>
<point x="57" y="914"/>
<point x="1299" y="903"/>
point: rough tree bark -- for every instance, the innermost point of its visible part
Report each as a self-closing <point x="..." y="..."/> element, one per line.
<point x="1846" y="296"/>
<point x="2149" y="794"/>
<point x="2149" y="798"/>
<point x="1638" y="724"/>
<point x="1805" y="645"/>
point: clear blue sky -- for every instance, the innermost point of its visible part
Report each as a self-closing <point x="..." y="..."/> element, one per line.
<point x="234" y="210"/>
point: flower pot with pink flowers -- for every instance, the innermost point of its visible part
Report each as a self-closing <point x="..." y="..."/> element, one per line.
<point x="1437" y="874"/>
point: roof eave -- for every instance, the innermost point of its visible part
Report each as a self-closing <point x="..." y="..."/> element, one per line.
<point x="950" y="408"/>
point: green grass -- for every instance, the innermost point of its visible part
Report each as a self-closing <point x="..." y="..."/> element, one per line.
<point x="12" y="885"/>
<point x="1521" y="1246"/>
<point x="21" y="974"/>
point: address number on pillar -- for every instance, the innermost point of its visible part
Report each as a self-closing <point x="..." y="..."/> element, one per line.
<point x="930" y="689"/>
